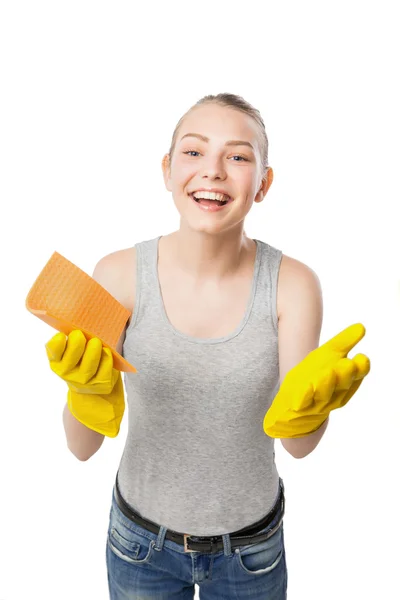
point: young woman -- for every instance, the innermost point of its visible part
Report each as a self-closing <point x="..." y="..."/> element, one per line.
<point x="218" y="320"/>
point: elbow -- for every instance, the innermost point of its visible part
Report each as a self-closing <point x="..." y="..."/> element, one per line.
<point x="79" y="456"/>
<point x="293" y="449"/>
<point x="294" y="453"/>
<point x="83" y="458"/>
<point x="304" y="454"/>
<point x="301" y="453"/>
<point x="299" y="456"/>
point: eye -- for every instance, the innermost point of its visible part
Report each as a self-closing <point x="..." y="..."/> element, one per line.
<point x="235" y="156"/>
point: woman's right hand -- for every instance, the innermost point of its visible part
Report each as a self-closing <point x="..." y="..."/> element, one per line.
<point x="86" y="366"/>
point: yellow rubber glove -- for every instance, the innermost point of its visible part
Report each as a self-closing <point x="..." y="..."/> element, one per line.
<point x="96" y="392"/>
<point x="325" y="380"/>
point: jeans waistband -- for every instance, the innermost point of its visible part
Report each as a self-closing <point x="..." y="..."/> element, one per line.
<point x="206" y="544"/>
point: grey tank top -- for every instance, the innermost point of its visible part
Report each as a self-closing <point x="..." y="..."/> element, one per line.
<point x="196" y="458"/>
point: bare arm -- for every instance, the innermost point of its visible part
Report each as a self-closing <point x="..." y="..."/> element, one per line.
<point x="299" y="330"/>
<point x="82" y="441"/>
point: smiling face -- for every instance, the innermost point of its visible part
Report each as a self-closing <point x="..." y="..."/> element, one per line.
<point x="224" y="154"/>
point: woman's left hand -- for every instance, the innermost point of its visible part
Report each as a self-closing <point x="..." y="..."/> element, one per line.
<point x="325" y="380"/>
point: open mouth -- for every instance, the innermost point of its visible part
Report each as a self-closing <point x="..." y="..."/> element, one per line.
<point x="217" y="202"/>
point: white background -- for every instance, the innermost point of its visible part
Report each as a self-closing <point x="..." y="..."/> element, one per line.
<point x="90" y="95"/>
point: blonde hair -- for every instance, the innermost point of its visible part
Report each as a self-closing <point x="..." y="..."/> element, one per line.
<point x="237" y="103"/>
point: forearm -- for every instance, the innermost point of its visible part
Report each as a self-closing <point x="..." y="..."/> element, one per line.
<point x="300" y="447"/>
<point x="82" y="441"/>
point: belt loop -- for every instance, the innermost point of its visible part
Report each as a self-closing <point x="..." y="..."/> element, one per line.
<point x="227" y="544"/>
<point x="160" y="538"/>
<point x="283" y="498"/>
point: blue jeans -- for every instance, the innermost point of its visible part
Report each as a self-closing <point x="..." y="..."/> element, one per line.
<point x="142" y="564"/>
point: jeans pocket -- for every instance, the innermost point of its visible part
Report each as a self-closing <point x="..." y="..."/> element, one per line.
<point x="263" y="557"/>
<point x="127" y="543"/>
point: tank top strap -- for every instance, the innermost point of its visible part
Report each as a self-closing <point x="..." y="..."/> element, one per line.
<point x="265" y="302"/>
<point x="146" y="293"/>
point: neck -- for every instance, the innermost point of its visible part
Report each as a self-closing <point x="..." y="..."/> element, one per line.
<point x="205" y="257"/>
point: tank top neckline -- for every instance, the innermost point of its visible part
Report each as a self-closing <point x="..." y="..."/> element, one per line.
<point x="245" y="317"/>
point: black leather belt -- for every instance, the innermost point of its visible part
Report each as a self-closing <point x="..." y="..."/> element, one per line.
<point x="211" y="544"/>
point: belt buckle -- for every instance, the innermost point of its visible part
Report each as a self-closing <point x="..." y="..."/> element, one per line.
<point x="185" y="538"/>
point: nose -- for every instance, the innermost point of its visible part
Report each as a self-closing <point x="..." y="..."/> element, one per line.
<point x="213" y="168"/>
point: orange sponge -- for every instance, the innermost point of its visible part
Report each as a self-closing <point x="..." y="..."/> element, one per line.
<point x="66" y="298"/>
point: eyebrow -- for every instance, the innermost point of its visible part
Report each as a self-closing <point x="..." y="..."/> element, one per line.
<point x="229" y="143"/>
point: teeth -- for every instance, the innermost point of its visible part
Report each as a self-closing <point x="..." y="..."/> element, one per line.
<point x="211" y="196"/>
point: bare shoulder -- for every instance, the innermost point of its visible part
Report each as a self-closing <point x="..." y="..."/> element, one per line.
<point x="300" y="313"/>
<point x="296" y="280"/>
<point x="116" y="272"/>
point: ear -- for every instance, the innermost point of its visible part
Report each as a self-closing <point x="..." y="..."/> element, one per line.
<point x="166" y="169"/>
<point x="265" y="185"/>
